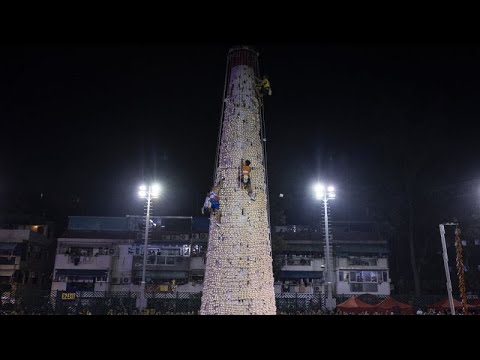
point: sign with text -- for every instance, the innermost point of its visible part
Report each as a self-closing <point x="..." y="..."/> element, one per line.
<point x="69" y="296"/>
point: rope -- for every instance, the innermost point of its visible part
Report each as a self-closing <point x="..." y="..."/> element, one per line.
<point x="220" y="128"/>
<point x="264" y="144"/>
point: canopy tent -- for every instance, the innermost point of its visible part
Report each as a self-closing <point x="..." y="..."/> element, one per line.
<point x="445" y="305"/>
<point x="355" y="305"/>
<point x="390" y="304"/>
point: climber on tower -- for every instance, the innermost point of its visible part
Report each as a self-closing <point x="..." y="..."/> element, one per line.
<point x="207" y="205"/>
<point x="215" y="205"/>
<point x="212" y="202"/>
<point x="246" y="178"/>
<point x="263" y="86"/>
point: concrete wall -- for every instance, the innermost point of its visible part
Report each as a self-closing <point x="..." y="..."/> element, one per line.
<point x="122" y="265"/>
<point x="8" y="235"/>
<point x="190" y="287"/>
<point x="197" y="263"/>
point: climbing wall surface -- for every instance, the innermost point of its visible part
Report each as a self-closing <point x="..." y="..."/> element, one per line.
<point x="238" y="275"/>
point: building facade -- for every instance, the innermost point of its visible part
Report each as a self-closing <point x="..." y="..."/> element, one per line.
<point x="360" y="259"/>
<point x="105" y="254"/>
<point x="26" y="260"/>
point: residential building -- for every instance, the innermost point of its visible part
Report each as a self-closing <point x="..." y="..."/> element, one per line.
<point x="360" y="259"/>
<point x="105" y="254"/>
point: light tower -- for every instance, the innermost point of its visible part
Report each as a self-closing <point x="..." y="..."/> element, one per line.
<point x="325" y="196"/>
<point x="238" y="275"/>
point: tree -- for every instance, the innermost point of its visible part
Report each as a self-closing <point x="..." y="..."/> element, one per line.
<point x="410" y="141"/>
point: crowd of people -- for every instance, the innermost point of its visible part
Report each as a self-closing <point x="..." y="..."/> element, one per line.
<point x="171" y="310"/>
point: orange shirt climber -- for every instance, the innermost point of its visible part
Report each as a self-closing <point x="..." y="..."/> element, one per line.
<point x="246" y="169"/>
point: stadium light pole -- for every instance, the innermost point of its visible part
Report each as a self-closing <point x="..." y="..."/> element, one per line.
<point x="326" y="194"/>
<point x="146" y="192"/>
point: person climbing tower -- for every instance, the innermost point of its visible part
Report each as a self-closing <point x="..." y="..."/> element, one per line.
<point x="245" y="175"/>
<point x="263" y="86"/>
<point x="215" y="205"/>
<point x="246" y="178"/>
<point x="207" y="205"/>
<point x="212" y="203"/>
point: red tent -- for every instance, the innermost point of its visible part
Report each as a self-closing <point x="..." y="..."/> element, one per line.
<point x="390" y="304"/>
<point x="445" y="305"/>
<point x="355" y="305"/>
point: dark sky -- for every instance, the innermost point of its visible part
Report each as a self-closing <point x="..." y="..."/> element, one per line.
<point x="84" y="125"/>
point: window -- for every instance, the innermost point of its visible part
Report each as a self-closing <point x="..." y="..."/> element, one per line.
<point x="370" y="287"/>
<point x="78" y="251"/>
<point x="464" y="242"/>
<point x="356" y="287"/>
<point x="359" y="277"/>
<point x="364" y="276"/>
<point x="385" y="276"/>
<point x="362" y="261"/>
<point x="7" y="260"/>
<point x="171" y="252"/>
<point x="340" y="276"/>
<point x="299" y="260"/>
<point x="477" y="242"/>
<point x="366" y="287"/>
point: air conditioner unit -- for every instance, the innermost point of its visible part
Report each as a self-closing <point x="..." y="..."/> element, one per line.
<point x="203" y="236"/>
<point x="317" y="288"/>
<point x="111" y="251"/>
<point x="184" y="237"/>
<point x="176" y="237"/>
<point x="195" y="236"/>
<point x="126" y="280"/>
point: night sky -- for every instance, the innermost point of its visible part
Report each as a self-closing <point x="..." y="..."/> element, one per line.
<point x="84" y="125"/>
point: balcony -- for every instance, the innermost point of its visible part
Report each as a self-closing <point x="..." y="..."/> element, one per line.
<point x="362" y="263"/>
<point x="303" y="264"/>
<point x="9" y="262"/>
<point x="197" y="263"/>
<point x="167" y="263"/>
<point x="83" y="262"/>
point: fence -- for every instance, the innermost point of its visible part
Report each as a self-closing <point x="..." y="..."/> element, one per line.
<point x="125" y="303"/>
